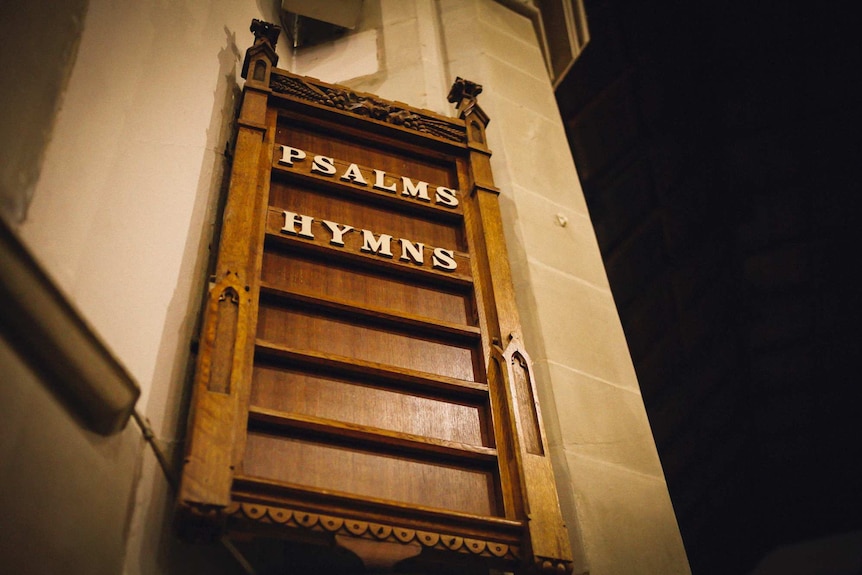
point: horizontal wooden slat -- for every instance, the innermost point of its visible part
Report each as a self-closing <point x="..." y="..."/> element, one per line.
<point x="349" y="467"/>
<point x="308" y="329"/>
<point x="309" y="391"/>
<point x="321" y="245"/>
<point x="250" y="488"/>
<point x="367" y="194"/>
<point x="371" y="370"/>
<point x="308" y="274"/>
<point x="374" y="438"/>
<point x="414" y="323"/>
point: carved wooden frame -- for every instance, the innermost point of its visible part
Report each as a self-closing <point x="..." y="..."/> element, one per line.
<point x="215" y="497"/>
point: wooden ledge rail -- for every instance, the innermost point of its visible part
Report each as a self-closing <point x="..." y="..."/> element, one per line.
<point x="52" y="337"/>
<point x="376" y="439"/>
<point x="444" y="330"/>
<point x="369" y="370"/>
<point x="366" y="194"/>
<point x="392" y="267"/>
<point x="270" y="491"/>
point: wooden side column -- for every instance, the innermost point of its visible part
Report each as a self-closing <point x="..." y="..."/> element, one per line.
<point x="510" y="369"/>
<point x="217" y="420"/>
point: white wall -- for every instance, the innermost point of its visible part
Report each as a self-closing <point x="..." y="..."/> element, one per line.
<point x="123" y="210"/>
<point x="40" y="45"/>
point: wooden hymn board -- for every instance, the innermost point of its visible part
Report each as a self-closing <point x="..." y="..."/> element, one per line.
<point x="361" y="378"/>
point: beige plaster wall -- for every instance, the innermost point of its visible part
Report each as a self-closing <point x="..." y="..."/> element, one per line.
<point x="40" y="44"/>
<point x="121" y="218"/>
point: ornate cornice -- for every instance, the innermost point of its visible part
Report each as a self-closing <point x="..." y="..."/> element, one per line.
<point x="366" y="106"/>
<point x="269" y="515"/>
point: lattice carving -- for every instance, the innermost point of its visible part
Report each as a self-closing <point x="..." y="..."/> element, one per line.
<point x="366" y="106"/>
<point x="270" y="515"/>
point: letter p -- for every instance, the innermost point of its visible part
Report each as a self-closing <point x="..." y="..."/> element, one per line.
<point x="288" y="155"/>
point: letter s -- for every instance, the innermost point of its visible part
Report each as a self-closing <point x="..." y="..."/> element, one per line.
<point x="444" y="259"/>
<point x="446" y="197"/>
<point x="323" y="165"/>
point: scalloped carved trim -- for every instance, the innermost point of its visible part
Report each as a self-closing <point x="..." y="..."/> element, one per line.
<point x="317" y="522"/>
<point x="366" y="106"/>
<point x="549" y="565"/>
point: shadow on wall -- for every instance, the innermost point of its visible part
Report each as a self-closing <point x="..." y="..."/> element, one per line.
<point x="30" y="101"/>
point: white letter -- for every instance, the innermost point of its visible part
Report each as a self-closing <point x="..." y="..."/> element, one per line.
<point x="380" y="184"/>
<point x="446" y="196"/>
<point x="288" y="155"/>
<point x="417" y="251"/>
<point x="353" y="174"/>
<point x="444" y="259"/>
<point x="290" y="221"/>
<point x="337" y="233"/>
<point x="381" y="247"/>
<point x="419" y="190"/>
<point x="323" y="165"/>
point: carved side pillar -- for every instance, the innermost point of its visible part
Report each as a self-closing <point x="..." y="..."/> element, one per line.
<point x="527" y="467"/>
<point x="217" y="422"/>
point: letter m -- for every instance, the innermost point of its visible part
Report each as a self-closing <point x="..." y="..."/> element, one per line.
<point x="381" y="247"/>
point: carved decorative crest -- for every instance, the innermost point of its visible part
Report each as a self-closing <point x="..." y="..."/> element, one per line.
<point x="367" y="106"/>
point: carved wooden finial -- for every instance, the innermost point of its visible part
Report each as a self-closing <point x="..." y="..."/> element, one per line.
<point x="265" y="39"/>
<point x="265" y="31"/>
<point x="464" y="94"/>
<point x="463" y="89"/>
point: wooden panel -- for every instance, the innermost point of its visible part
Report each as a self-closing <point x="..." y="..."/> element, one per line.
<point x="320" y="243"/>
<point x="305" y="330"/>
<point x="302" y="200"/>
<point x="367" y="397"/>
<point x="389" y="159"/>
<point x="361" y="288"/>
<point x="355" y="402"/>
<point x="349" y="470"/>
<point x="359" y="369"/>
